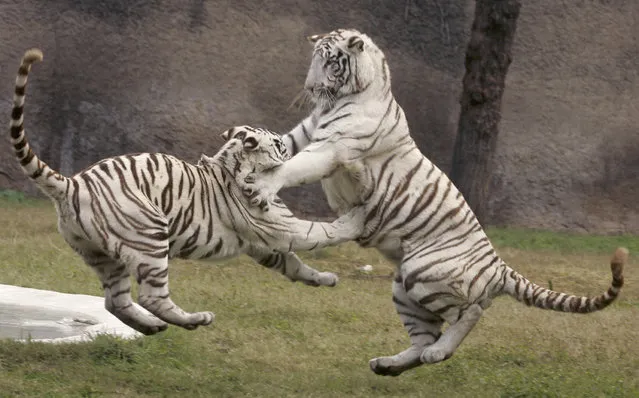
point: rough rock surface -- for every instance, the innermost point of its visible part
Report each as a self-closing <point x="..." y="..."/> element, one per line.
<point x="167" y="75"/>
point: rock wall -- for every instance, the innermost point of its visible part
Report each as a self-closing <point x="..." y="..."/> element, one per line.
<point x="167" y="75"/>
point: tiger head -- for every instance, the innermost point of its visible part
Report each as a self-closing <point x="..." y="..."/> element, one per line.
<point x="249" y="149"/>
<point x="344" y="62"/>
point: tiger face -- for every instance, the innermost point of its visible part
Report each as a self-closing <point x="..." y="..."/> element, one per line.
<point x="342" y="64"/>
<point x="260" y="148"/>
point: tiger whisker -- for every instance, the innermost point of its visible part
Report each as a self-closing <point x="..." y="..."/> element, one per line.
<point x="299" y="101"/>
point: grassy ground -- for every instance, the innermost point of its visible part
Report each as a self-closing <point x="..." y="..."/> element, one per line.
<point x="272" y="338"/>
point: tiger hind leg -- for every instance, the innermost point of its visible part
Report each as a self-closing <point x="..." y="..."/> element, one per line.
<point x="291" y="266"/>
<point x="152" y="274"/>
<point x="423" y="327"/>
<point x="116" y="282"/>
<point x="452" y="337"/>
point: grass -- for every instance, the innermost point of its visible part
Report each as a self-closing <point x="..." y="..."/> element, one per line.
<point x="9" y="196"/>
<point x="272" y="338"/>
<point x="565" y="243"/>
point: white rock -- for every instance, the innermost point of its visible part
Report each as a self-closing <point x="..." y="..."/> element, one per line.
<point x="366" y="268"/>
<point x="54" y="317"/>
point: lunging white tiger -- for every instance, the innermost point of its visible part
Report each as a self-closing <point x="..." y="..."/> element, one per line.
<point x="129" y="214"/>
<point x="357" y="142"/>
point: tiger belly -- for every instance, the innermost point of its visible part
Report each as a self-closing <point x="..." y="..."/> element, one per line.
<point x="342" y="191"/>
<point x="196" y="243"/>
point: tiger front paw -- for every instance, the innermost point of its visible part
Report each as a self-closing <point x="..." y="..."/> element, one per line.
<point x="196" y="319"/>
<point x="256" y="199"/>
<point x="385" y="366"/>
<point x="432" y="354"/>
<point x="327" y="279"/>
<point x="257" y="195"/>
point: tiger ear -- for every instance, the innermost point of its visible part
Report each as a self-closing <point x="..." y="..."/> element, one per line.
<point x="225" y="135"/>
<point x="234" y="132"/>
<point x="315" y="38"/>
<point x="250" y="143"/>
<point x="205" y="160"/>
<point x="356" y="43"/>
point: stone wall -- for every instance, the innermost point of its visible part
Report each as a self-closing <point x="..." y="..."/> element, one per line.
<point x="167" y="75"/>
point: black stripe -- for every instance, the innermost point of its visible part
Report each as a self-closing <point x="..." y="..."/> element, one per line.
<point x="305" y="131"/>
<point x="120" y="292"/>
<point x="153" y="283"/>
<point x="37" y="173"/>
<point x="162" y="273"/>
<point x="295" y="148"/>
<point x="430" y="298"/>
<point x="617" y="283"/>
<point x="16" y="113"/>
<point x="218" y="246"/>
<point x="25" y="161"/>
<point x="323" y="125"/>
<point x="15" y="131"/>
<point x="18" y="146"/>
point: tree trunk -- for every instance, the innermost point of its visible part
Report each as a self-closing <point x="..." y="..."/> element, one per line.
<point x="487" y="60"/>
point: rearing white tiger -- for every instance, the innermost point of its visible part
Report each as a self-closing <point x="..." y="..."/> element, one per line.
<point x="357" y="142"/>
<point x="129" y="214"/>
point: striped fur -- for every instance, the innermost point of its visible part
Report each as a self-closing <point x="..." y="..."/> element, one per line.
<point x="357" y="142"/>
<point x="129" y="214"/>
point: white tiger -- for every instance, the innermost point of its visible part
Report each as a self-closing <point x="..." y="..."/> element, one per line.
<point x="129" y="214"/>
<point x="357" y="142"/>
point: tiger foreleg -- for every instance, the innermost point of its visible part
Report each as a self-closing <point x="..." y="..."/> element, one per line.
<point x="297" y="271"/>
<point x="452" y="337"/>
<point x="423" y="327"/>
<point x="152" y="275"/>
<point x="291" y="266"/>
<point x="116" y="282"/>
<point x="300" y="137"/>
<point x="315" y="162"/>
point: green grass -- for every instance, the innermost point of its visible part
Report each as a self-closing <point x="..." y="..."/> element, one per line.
<point x="9" y="197"/>
<point x="273" y="338"/>
<point x="560" y="242"/>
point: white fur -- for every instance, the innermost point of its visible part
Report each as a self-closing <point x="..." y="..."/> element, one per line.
<point x="357" y="142"/>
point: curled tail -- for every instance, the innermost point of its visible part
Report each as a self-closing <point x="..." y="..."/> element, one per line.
<point x="48" y="180"/>
<point x="531" y="294"/>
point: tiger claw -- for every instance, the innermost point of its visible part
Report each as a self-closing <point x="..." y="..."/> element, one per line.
<point x="249" y="179"/>
<point x="248" y="192"/>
